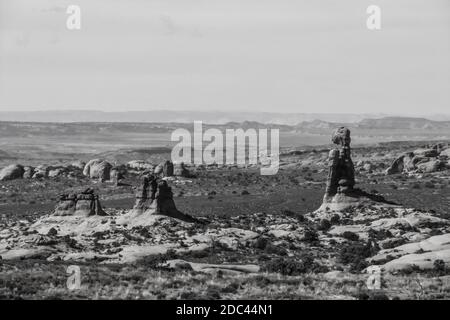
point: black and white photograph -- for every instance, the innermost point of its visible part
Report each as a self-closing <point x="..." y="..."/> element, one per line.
<point x="251" y="150"/>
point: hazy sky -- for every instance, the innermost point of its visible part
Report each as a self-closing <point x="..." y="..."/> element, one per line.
<point x="244" y="55"/>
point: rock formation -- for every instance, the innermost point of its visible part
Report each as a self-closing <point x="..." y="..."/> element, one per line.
<point x="423" y="160"/>
<point x="154" y="196"/>
<point x="167" y="169"/>
<point x="341" y="174"/>
<point x="84" y="204"/>
<point x="11" y="172"/>
<point x="340" y="192"/>
<point x="28" y="172"/>
<point x="143" y="199"/>
<point x="40" y="171"/>
<point x="118" y="173"/>
<point x="98" y="169"/>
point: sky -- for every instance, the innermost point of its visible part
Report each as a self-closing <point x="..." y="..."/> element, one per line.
<point x="226" y="55"/>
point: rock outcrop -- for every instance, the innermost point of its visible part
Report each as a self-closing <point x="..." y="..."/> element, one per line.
<point x="424" y="160"/>
<point x="11" y="172"/>
<point x="84" y="204"/>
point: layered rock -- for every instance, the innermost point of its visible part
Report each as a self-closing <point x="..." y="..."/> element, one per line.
<point x="84" y="204"/>
<point x="340" y="193"/>
<point x="154" y="196"/>
<point x="341" y="171"/>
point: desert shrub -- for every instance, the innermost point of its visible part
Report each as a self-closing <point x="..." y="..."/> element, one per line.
<point x="261" y="243"/>
<point x="262" y="281"/>
<point x="293" y="214"/>
<point x="371" y="295"/>
<point x="272" y="249"/>
<point x="335" y="219"/>
<point x="212" y="293"/>
<point x="379" y="234"/>
<point x="394" y="243"/>
<point x="293" y="267"/>
<point x="354" y="255"/>
<point x="288" y="267"/>
<point x="350" y="236"/>
<point x="311" y="235"/>
<point x="154" y="262"/>
<point x="439" y="265"/>
<point x="435" y="232"/>
<point x="411" y="269"/>
<point x="232" y="287"/>
<point x="429" y="185"/>
<point x="324" y="225"/>
<point x="439" y="268"/>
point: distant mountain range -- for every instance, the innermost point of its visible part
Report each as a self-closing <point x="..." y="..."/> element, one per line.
<point x="212" y="117"/>
<point x="387" y="124"/>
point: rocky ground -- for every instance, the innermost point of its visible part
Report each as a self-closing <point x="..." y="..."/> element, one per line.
<point x="257" y="236"/>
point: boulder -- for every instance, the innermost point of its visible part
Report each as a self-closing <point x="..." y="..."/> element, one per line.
<point x="12" y="172"/>
<point x="445" y="153"/>
<point x="140" y="165"/>
<point x="368" y="167"/>
<point x="98" y="169"/>
<point x="181" y="171"/>
<point x="360" y="163"/>
<point x="28" y="172"/>
<point x="410" y="161"/>
<point x="397" y="166"/>
<point x="78" y="164"/>
<point x="158" y="169"/>
<point x="431" y="166"/>
<point x="55" y="172"/>
<point x="40" y="171"/>
<point x="426" y="152"/>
